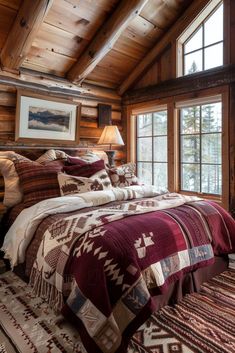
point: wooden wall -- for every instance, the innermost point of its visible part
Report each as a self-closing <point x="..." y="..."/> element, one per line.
<point x="161" y="70"/>
<point x="89" y="131"/>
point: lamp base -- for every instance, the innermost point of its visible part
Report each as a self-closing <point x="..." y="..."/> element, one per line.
<point x="111" y="154"/>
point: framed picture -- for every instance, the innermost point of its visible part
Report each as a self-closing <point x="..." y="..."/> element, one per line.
<point x="41" y="119"/>
<point x="104" y="115"/>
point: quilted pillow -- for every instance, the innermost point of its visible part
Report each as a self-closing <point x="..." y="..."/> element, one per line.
<point x="70" y="184"/>
<point x="77" y="167"/>
<point x="123" y="175"/>
<point x="38" y="182"/>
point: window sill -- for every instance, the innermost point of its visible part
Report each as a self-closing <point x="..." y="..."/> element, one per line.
<point x="215" y="198"/>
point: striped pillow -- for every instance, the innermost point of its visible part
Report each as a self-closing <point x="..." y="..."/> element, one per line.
<point x="38" y="182"/>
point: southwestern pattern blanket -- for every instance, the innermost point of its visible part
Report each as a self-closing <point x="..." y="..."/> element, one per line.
<point x="101" y="267"/>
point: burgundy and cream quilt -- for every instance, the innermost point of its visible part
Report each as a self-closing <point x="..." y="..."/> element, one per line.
<point x="100" y="265"/>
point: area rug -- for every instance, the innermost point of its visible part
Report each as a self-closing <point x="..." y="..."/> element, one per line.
<point x="202" y="323"/>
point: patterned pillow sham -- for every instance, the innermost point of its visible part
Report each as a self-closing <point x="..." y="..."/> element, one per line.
<point x="13" y="193"/>
<point x="38" y="182"/>
<point x="123" y="175"/>
<point x="78" y="167"/>
<point x="103" y="178"/>
<point x="70" y="184"/>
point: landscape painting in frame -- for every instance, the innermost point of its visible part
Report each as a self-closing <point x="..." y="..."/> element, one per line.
<point x="45" y="119"/>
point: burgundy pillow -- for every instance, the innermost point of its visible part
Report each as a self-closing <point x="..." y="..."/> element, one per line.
<point x="84" y="170"/>
<point x="38" y="182"/>
<point x="75" y="160"/>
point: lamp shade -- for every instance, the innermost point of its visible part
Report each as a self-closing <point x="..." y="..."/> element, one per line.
<point x="111" y="135"/>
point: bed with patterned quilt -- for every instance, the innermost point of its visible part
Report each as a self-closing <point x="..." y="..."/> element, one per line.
<point x="98" y="246"/>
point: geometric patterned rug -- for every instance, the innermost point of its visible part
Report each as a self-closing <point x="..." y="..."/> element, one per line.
<point x="202" y="323"/>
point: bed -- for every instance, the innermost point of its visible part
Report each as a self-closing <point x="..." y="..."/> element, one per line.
<point x="107" y="251"/>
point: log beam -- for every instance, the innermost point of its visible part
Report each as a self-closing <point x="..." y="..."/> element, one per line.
<point x="215" y="77"/>
<point x="28" y="20"/>
<point x="60" y="87"/>
<point x="171" y="35"/>
<point x="105" y="38"/>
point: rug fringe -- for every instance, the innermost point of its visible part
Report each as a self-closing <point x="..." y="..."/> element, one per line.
<point x="46" y="290"/>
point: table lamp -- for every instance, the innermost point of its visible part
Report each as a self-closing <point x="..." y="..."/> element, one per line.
<point x="110" y="136"/>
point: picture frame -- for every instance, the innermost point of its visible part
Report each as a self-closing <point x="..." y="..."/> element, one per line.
<point x="46" y="120"/>
<point x="104" y="115"/>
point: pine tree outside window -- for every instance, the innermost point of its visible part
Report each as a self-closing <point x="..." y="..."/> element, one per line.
<point x="201" y="148"/>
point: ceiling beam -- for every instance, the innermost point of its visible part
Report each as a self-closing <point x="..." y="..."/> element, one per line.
<point x="43" y="83"/>
<point x="171" y="35"/>
<point x="20" y="38"/>
<point x="105" y="39"/>
<point x="216" y="77"/>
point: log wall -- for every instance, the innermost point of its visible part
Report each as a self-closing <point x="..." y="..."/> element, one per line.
<point x="89" y="130"/>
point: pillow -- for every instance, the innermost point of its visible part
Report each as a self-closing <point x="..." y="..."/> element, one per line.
<point x="103" y="179"/>
<point x="38" y="182"/>
<point x="70" y="184"/>
<point x="13" y="193"/>
<point x="89" y="157"/>
<point x="81" y="168"/>
<point x="123" y="175"/>
<point x="101" y="155"/>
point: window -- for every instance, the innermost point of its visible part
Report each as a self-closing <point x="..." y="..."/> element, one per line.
<point x="201" y="148"/>
<point x="151" y="148"/>
<point x="184" y="146"/>
<point x="202" y="44"/>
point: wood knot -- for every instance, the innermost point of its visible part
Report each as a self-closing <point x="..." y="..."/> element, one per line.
<point x="23" y="22"/>
<point x="78" y="39"/>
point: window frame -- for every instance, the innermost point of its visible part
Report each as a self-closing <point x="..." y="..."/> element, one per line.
<point x="190" y="31"/>
<point x="173" y="107"/>
<point x="217" y="99"/>
<point x="152" y="136"/>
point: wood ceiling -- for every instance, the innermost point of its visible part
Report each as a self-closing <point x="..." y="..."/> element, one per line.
<point x="99" y="41"/>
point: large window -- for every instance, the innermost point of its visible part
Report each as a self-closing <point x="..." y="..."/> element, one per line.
<point x="184" y="146"/>
<point x="200" y="148"/>
<point x="202" y="48"/>
<point x="151" y="148"/>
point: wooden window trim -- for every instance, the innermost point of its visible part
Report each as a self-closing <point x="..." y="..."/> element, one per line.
<point x="173" y="104"/>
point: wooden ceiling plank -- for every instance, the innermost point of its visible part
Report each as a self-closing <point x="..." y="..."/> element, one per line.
<point x="172" y="34"/>
<point x="80" y="17"/>
<point x="105" y="39"/>
<point x="7" y="17"/>
<point x="23" y="32"/>
<point x="13" y="4"/>
<point x="57" y="40"/>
